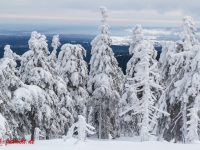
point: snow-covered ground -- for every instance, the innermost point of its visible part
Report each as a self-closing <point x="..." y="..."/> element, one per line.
<point x="95" y="144"/>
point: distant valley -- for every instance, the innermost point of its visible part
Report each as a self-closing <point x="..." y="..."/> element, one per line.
<point x="19" y="44"/>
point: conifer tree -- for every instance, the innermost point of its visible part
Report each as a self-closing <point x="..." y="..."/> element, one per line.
<point x="9" y="83"/>
<point x="37" y="70"/>
<point x="73" y="69"/>
<point x="20" y="101"/>
<point x="179" y="68"/>
<point x="142" y="88"/>
<point x="105" y="82"/>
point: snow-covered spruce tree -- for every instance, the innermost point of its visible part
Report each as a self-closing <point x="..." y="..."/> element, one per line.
<point x="129" y="122"/>
<point x="52" y="57"/>
<point x="35" y="103"/>
<point x="142" y="87"/>
<point x="105" y="83"/>
<point x="73" y="69"/>
<point x="179" y="69"/>
<point x="9" y="83"/>
<point x="37" y="70"/>
<point x="20" y="99"/>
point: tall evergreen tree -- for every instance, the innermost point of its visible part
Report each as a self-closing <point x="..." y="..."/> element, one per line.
<point x="73" y="69"/>
<point x="9" y="83"/>
<point x="105" y="82"/>
<point x="137" y="106"/>
<point x="37" y="70"/>
<point x="179" y="67"/>
<point x="35" y="106"/>
<point x="129" y="122"/>
<point x="25" y="107"/>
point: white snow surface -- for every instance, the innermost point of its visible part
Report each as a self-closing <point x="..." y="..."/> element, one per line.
<point x="132" y="143"/>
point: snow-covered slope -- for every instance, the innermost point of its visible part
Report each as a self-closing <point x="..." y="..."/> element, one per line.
<point x="95" y="144"/>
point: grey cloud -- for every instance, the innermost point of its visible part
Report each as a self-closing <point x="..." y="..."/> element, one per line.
<point x="122" y="9"/>
<point x="191" y="6"/>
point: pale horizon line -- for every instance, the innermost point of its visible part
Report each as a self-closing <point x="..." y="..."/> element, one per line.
<point x="9" y="16"/>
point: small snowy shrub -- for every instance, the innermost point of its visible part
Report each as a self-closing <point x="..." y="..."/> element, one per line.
<point x="82" y="128"/>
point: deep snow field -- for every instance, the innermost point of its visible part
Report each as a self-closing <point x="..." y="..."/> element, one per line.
<point x="95" y="144"/>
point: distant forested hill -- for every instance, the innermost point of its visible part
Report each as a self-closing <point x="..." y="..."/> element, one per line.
<point x="19" y="44"/>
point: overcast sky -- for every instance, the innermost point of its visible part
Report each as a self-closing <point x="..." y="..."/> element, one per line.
<point x="155" y="13"/>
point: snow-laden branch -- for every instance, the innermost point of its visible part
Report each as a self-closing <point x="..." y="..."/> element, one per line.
<point x="163" y="112"/>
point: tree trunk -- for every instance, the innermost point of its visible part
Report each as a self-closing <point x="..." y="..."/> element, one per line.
<point x="33" y="123"/>
<point x="184" y="129"/>
<point x="100" y="122"/>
